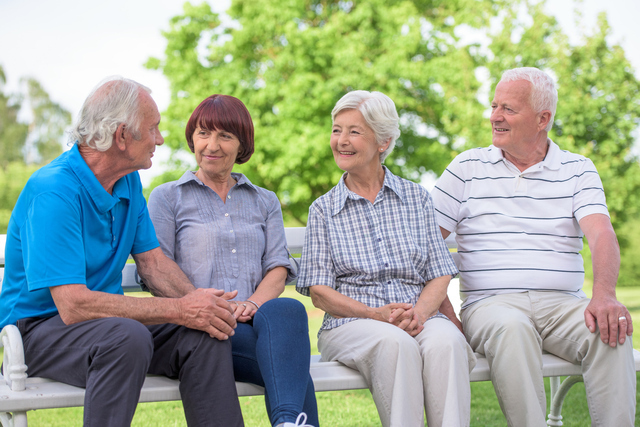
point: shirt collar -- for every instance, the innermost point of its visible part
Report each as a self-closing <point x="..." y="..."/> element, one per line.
<point x="551" y="160"/>
<point x="190" y="176"/>
<point x="100" y="197"/>
<point x="342" y="192"/>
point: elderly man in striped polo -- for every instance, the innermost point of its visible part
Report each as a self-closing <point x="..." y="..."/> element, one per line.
<point x="520" y="208"/>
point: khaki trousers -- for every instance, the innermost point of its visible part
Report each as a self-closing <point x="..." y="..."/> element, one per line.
<point x="511" y="330"/>
<point x="407" y="375"/>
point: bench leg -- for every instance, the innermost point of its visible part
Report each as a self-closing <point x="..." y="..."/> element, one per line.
<point x="558" y="393"/>
<point x="17" y="419"/>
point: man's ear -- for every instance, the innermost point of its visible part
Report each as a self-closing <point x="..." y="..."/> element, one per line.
<point x="121" y="137"/>
<point x="543" y="121"/>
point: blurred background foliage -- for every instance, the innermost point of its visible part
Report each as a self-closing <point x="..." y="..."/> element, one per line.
<point x="25" y="146"/>
<point x="289" y="61"/>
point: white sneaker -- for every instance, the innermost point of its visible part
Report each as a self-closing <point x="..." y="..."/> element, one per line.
<point x="300" y="421"/>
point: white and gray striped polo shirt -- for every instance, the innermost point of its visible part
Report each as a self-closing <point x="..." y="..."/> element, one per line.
<point x="518" y="231"/>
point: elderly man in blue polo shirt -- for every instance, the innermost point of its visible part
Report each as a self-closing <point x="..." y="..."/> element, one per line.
<point x="71" y="231"/>
<point x="520" y="208"/>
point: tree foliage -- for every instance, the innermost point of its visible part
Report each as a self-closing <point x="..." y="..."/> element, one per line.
<point x="37" y="141"/>
<point x="48" y="126"/>
<point x="289" y="62"/>
<point x="12" y="133"/>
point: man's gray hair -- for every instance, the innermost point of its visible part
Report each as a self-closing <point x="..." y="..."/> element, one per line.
<point x="379" y="113"/>
<point x="544" y="93"/>
<point x="113" y="101"/>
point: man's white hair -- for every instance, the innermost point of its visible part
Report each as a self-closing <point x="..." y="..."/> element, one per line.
<point x="113" y="101"/>
<point x="544" y="93"/>
<point x="379" y="113"/>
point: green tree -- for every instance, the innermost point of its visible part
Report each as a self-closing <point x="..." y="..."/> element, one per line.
<point x="13" y="178"/>
<point x="44" y="132"/>
<point x="289" y="62"/>
<point x="48" y="125"/>
<point x="12" y="133"/>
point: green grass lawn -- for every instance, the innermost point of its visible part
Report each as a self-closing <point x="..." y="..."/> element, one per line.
<point x="352" y="408"/>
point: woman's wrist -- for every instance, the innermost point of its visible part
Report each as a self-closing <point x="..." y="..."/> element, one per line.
<point x="254" y="303"/>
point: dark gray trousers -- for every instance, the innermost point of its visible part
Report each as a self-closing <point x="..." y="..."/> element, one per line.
<point x="110" y="358"/>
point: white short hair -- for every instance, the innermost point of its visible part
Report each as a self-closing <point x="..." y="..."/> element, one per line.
<point x="113" y="101"/>
<point x="379" y="113"/>
<point x="544" y="93"/>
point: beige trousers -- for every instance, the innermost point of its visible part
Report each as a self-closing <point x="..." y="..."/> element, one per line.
<point x="511" y="330"/>
<point x="408" y="375"/>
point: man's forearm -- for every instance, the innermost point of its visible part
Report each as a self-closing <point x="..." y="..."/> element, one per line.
<point x="76" y="303"/>
<point x="605" y="257"/>
<point x="162" y="275"/>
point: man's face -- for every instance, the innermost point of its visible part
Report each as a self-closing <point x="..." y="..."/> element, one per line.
<point x="514" y="123"/>
<point x="140" y="151"/>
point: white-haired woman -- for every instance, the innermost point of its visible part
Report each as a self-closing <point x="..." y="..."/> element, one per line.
<point x="375" y="262"/>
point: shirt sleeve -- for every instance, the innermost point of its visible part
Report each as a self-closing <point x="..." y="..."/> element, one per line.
<point x="275" y="251"/>
<point x="163" y="217"/>
<point x="145" y="239"/>
<point x="316" y="265"/>
<point x="589" y="197"/>
<point x="53" y="256"/>
<point x="448" y="194"/>
<point x="440" y="263"/>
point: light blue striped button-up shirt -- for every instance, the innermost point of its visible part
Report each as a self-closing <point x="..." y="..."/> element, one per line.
<point x="220" y="244"/>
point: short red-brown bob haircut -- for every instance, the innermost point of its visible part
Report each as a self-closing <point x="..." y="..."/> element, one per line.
<point x="223" y="112"/>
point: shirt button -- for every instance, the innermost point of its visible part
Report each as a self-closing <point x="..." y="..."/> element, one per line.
<point x="233" y="251"/>
<point x="386" y="264"/>
<point x="228" y="197"/>
<point x="114" y="239"/>
<point x="379" y="239"/>
<point x="226" y="214"/>
<point x="388" y="283"/>
<point x="230" y="231"/>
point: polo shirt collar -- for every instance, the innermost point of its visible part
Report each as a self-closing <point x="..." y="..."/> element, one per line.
<point x="551" y="160"/>
<point x="342" y="193"/>
<point x="100" y="197"/>
<point x="190" y="176"/>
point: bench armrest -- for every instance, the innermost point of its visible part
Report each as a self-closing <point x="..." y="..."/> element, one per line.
<point x="13" y="368"/>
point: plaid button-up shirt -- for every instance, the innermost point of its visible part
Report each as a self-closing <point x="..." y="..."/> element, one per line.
<point x="378" y="253"/>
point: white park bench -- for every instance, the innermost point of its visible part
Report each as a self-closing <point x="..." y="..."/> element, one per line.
<point x="20" y="393"/>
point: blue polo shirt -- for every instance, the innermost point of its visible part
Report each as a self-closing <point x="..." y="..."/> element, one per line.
<point x="66" y="229"/>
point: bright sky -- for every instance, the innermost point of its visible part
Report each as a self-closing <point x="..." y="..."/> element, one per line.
<point x="71" y="45"/>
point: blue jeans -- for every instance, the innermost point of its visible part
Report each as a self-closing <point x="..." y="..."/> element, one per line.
<point x="273" y="352"/>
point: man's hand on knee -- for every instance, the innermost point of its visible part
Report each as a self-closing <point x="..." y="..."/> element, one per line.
<point x="612" y="319"/>
<point x="208" y="310"/>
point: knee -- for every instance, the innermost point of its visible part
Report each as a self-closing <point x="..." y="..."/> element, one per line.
<point x="513" y="334"/>
<point x="193" y="341"/>
<point x="126" y="338"/>
<point x="285" y="312"/>
<point x="283" y="307"/>
<point x="444" y="341"/>
<point x="399" y="343"/>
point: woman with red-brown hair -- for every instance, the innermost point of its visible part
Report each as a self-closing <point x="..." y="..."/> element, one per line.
<point x="226" y="233"/>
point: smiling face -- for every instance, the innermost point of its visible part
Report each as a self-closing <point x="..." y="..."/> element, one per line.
<point x="516" y="127"/>
<point x="216" y="151"/>
<point x="354" y="144"/>
<point x="143" y="144"/>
